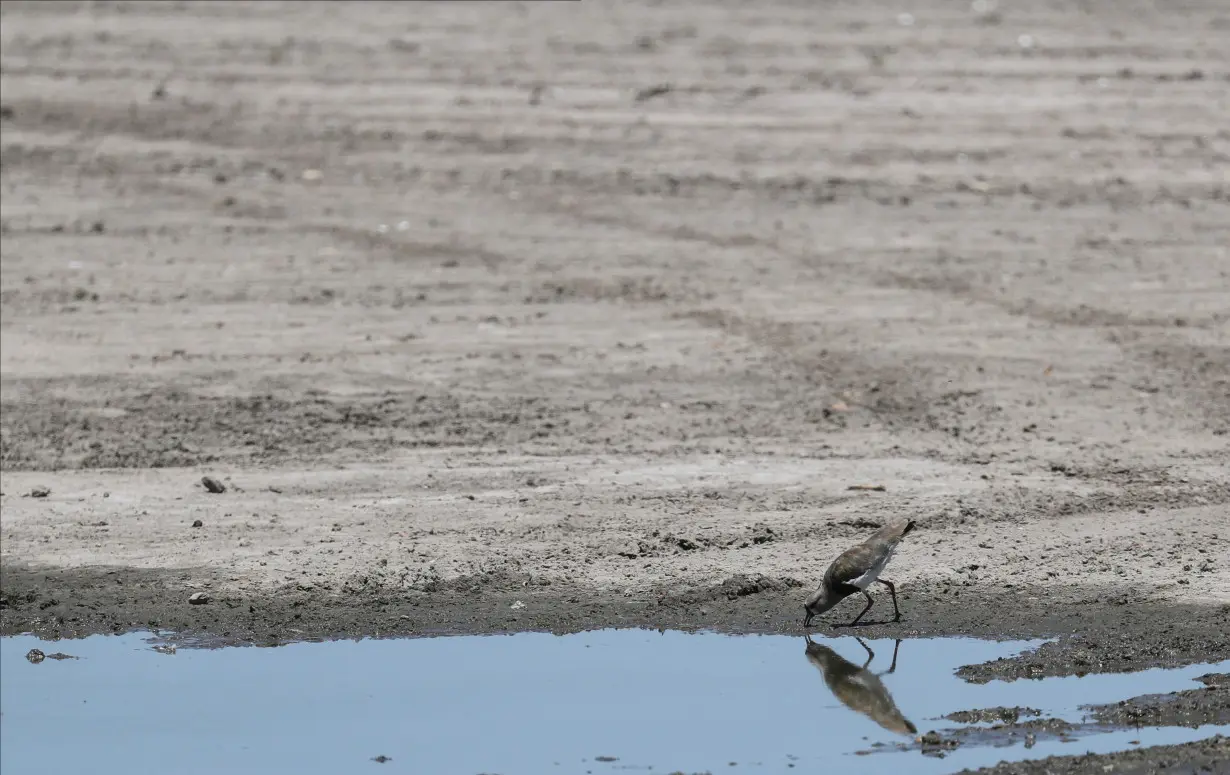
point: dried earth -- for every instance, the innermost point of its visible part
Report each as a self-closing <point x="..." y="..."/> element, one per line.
<point x="636" y="314"/>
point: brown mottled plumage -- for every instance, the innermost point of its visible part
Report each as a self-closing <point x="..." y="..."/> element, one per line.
<point x="856" y="569"/>
<point x="858" y="688"/>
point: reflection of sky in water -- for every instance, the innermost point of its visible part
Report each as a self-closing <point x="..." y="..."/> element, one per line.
<point x="528" y="703"/>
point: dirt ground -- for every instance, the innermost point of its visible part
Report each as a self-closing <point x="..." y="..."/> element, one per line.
<point x="634" y="313"/>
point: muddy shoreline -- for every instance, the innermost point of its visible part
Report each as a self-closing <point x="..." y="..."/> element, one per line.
<point x="1128" y="637"/>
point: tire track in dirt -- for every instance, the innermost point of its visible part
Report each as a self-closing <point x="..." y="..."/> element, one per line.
<point x="909" y="394"/>
<point x="1156" y="360"/>
<point x="896" y="394"/>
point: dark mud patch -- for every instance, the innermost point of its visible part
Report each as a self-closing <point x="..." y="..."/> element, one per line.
<point x="75" y="603"/>
<point x="1209" y="704"/>
<point x="1203" y="756"/>
<point x="1092" y="651"/>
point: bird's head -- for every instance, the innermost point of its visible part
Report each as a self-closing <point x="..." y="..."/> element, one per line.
<point x="820" y="601"/>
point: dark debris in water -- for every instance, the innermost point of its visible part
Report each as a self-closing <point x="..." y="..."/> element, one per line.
<point x="935" y="744"/>
<point x="36" y="655"/>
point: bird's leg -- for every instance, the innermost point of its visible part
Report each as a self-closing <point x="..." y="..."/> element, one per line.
<point x="893" y="591"/>
<point x="807" y="619"/>
<point x="870" y="603"/>
<point x="893" y="666"/>
<point x="870" y="654"/>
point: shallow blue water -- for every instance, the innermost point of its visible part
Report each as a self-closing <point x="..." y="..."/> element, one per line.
<point x="527" y="703"/>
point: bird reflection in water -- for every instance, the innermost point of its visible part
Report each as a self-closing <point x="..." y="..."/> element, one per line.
<point x="858" y="688"/>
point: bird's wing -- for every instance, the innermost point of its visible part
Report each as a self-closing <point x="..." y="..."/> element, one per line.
<point x="854" y="562"/>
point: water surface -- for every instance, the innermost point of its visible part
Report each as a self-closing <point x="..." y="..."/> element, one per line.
<point x="526" y="703"/>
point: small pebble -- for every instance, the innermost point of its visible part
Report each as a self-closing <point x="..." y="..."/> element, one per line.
<point x="213" y="485"/>
<point x="198" y="598"/>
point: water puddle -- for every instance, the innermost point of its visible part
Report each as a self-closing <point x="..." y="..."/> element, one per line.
<point x="599" y="702"/>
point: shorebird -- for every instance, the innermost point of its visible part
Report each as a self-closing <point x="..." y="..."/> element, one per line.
<point x="857" y="569"/>
<point x="858" y="688"/>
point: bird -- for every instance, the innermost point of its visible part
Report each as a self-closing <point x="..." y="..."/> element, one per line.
<point x="858" y="568"/>
<point x="858" y="688"/>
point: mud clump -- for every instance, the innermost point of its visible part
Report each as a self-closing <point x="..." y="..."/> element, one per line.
<point x="758" y="534"/>
<point x="685" y="543"/>
<point x="934" y="744"/>
<point x="34" y="656"/>
<point x="742" y="585"/>
<point x="487" y="581"/>
<point x="997" y="714"/>
<point x="632" y="550"/>
<point x="737" y="587"/>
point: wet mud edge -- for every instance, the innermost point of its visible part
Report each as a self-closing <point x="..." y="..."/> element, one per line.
<point x="1090" y="636"/>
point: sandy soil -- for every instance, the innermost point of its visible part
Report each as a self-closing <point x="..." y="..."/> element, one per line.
<point x="612" y="309"/>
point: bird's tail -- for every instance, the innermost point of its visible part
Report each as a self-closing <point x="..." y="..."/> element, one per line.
<point x="908" y="527"/>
